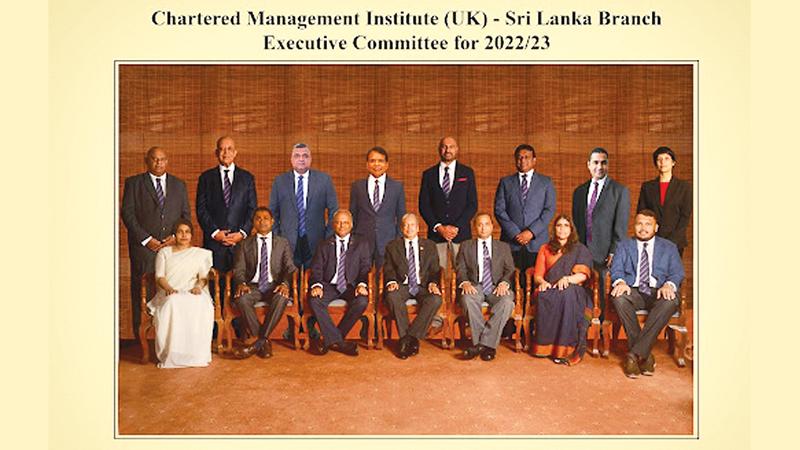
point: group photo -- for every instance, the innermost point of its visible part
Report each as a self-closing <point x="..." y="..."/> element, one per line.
<point x="406" y="250"/>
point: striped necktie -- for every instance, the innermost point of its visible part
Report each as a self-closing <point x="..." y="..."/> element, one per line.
<point x="413" y="283"/>
<point x="263" y="267"/>
<point x="159" y="193"/>
<point x="376" y="196"/>
<point x="486" y="279"/>
<point x="301" y="208"/>
<point x="644" y="271"/>
<point x="341" y="280"/>
<point x="226" y="188"/>
<point x="523" y="187"/>
<point x="590" y="210"/>
<point x="446" y="181"/>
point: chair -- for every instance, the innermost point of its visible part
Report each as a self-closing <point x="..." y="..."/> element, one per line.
<point x="593" y="333"/>
<point x="676" y="329"/>
<point x="291" y="312"/>
<point x="149" y="279"/>
<point x="337" y="309"/>
<point x="455" y="313"/>
<point x="386" y="320"/>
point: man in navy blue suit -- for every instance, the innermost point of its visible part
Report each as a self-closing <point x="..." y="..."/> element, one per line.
<point x="448" y="197"/>
<point x="225" y="202"/>
<point x="646" y="273"/>
<point x="524" y="204"/>
<point x="298" y="200"/>
<point x="378" y="204"/>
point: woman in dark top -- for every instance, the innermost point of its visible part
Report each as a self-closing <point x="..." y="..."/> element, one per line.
<point x="669" y="197"/>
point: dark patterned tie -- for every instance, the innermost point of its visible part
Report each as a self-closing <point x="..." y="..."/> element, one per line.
<point x="341" y="280"/>
<point x="263" y="267"/>
<point x="301" y="208"/>
<point x="446" y="181"/>
<point x="159" y="193"/>
<point x="589" y="210"/>
<point x="523" y="187"/>
<point x="376" y="196"/>
<point x="486" y="279"/>
<point x="413" y="283"/>
<point x="226" y="188"/>
<point x="644" y="271"/>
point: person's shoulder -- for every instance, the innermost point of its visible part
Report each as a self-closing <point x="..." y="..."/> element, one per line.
<point x="614" y="184"/>
<point x="543" y="177"/>
<point x="136" y="178"/>
<point x="204" y="251"/>
<point x="278" y="239"/>
<point x="666" y="243"/>
<point x="434" y="169"/>
<point x="241" y="171"/>
<point x="584" y="185"/>
<point x="319" y="173"/>
<point x="174" y="179"/>
<point x="423" y="242"/>
<point x="461" y="167"/>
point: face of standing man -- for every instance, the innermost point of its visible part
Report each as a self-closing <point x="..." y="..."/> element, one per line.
<point x="156" y="161"/>
<point x="598" y="165"/>
<point x="448" y="150"/>
<point x="377" y="164"/>
<point x="301" y="158"/>
<point x="525" y="161"/>
<point x="226" y="151"/>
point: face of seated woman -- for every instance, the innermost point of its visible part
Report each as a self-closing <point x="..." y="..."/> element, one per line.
<point x="183" y="236"/>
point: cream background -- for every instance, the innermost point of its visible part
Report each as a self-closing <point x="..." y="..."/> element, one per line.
<point x="86" y="37"/>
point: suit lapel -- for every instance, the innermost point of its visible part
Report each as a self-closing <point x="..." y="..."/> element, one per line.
<point x="365" y="192"/>
<point x="148" y="186"/>
<point x="583" y="192"/>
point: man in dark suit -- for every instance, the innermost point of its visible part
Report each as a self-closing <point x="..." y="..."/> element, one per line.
<point x="669" y="197"/>
<point x="339" y="270"/>
<point x="646" y="274"/>
<point x="377" y="204"/>
<point x="151" y="203"/>
<point x="600" y="209"/>
<point x="225" y="202"/>
<point x="298" y="199"/>
<point x="262" y="269"/>
<point x="411" y="271"/>
<point x="448" y="197"/>
<point x="524" y="204"/>
<point x="484" y="268"/>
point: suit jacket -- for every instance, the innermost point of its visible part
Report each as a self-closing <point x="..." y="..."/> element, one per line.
<point x="321" y="195"/>
<point x="214" y="215"/>
<point x="380" y="227"/>
<point x="358" y="261"/>
<point x="467" y="268"/>
<point x="143" y="217"/>
<point x="609" y="218"/>
<point x="245" y="260"/>
<point x="457" y="209"/>
<point x="535" y="215"/>
<point x="395" y="267"/>
<point x="667" y="264"/>
<point x="673" y="216"/>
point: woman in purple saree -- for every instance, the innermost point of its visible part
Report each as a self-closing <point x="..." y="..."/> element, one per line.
<point x="563" y="305"/>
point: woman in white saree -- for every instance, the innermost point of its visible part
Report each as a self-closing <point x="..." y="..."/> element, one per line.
<point x="183" y="313"/>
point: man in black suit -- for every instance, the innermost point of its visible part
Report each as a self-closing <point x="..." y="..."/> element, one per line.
<point x="669" y="197"/>
<point x="377" y="204"/>
<point x="448" y="197"/>
<point x="600" y="209"/>
<point x="151" y="203"/>
<point x="225" y="202"/>
<point x="411" y="271"/>
<point x="262" y="270"/>
<point x="339" y="270"/>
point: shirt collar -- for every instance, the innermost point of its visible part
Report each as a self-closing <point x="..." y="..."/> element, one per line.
<point x="268" y="235"/>
<point x="297" y="174"/>
<point x="452" y="166"/>
<point x="649" y="242"/>
<point x="382" y="178"/>
<point x="601" y="181"/>
<point x="346" y="238"/>
<point x="415" y="240"/>
<point x="222" y="168"/>
<point x="163" y="177"/>
<point x="528" y="173"/>
<point x="488" y="241"/>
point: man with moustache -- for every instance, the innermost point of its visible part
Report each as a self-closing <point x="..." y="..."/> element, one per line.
<point x="151" y="203"/>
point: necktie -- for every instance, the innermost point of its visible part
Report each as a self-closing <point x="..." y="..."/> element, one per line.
<point x="226" y="188"/>
<point x="413" y="283"/>
<point x="341" y="281"/>
<point x="376" y="196"/>
<point x="159" y="193"/>
<point x="589" y="210"/>
<point x="301" y="208"/>
<point x="263" y="267"/>
<point x="644" y="271"/>
<point x="486" y="279"/>
<point x="523" y="187"/>
<point x="446" y="182"/>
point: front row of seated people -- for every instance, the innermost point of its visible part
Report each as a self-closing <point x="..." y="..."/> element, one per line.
<point x="646" y="274"/>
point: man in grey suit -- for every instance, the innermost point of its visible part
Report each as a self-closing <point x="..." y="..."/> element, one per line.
<point x="378" y="204"/>
<point x="151" y="203"/>
<point x="524" y="204"/>
<point x="262" y="270"/>
<point x="484" y="268"/>
<point x="600" y="209"/>
<point x="298" y="200"/>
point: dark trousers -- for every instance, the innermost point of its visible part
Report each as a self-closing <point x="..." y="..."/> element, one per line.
<point x="428" y="305"/>
<point x="356" y="305"/>
<point x="302" y="252"/>
<point x="276" y="304"/>
<point x="640" y="341"/>
<point x="602" y="270"/>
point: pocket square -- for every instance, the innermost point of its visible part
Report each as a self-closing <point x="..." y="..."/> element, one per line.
<point x="461" y="179"/>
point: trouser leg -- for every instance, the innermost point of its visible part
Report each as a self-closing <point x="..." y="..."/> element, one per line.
<point x="396" y="301"/>
<point x="626" y="306"/>
<point x="356" y="305"/>
<point x="428" y="306"/>
<point x="246" y="305"/>
<point x="320" y="308"/>
<point x="501" y="310"/>
<point x="472" y="304"/>
<point x="277" y="305"/>
<point x="657" y="319"/>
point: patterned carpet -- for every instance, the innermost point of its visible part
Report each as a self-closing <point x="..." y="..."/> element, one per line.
<point x="434" y="393"/>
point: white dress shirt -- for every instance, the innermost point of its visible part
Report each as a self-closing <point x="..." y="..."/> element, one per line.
<point x="480" y="256"/>
<point x="600" y="183"/>
<point x="371" y="187"/>
<point x="258" y="256"/>
<point x="451" y="171"/>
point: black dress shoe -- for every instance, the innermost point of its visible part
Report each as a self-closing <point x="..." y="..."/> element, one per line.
<point x="414" y="344"/>
<point x="648" y="366"/>
<point x="472" y="352"/>
<point x="246" y="352"/>
<point x="317" y="347"/>
<point x="631" y="366"/>
<point x="266" y="350"/>
<point x="347" y="348"/>
<point x="403" y="351"/>
<point x="488" y="353"/>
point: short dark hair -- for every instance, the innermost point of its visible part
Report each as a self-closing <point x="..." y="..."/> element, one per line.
<point x="648" y="213"/>
<point x="263" y="208"/>
<point x="182" y="221"/>
<point x="661" y="151"/>
<point x="522" y="147"/>
<point x="380" y="150"/>
<point x="598" y="150"/>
